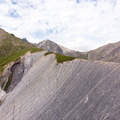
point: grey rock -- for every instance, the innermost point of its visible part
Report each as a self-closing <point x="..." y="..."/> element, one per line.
<point x="16" y="70"/>
<point x="50" y="46"/>
<point x="109" y="52"/>
<point x="2" y="93"/>
<point x="24" y="39"/>
<point x="74" y="90"/>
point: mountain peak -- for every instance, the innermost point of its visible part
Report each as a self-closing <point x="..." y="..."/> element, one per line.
<point x="50" y="46"/>
<point x="24" y="39"/>
<point x="48" y="42"/>
<point x="54" y="47"/>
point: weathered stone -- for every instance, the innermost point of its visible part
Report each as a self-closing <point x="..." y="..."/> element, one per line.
<point x="74" y="90"/>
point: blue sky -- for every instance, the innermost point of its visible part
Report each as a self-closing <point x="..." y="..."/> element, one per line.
<point x="76" y="24"/>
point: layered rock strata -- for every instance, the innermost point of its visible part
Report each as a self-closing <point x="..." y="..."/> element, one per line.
<point x="74" y="90"/>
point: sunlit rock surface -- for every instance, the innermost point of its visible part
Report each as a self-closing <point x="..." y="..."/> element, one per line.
<point x="74" y="90"/>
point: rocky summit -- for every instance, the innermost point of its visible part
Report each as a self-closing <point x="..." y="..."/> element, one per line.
<point x="48" y="86"/>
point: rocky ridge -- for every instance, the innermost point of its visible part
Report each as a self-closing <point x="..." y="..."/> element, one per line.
<point x="109" y="52"/>
<point x="78" y="89"/>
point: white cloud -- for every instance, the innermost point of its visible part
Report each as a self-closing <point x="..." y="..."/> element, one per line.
<point x="80" y="26"/>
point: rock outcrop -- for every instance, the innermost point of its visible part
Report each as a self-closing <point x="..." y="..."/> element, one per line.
<point x="74" y="90"/>
<point x="14" y="71"/>
<point x="50" y="46"/>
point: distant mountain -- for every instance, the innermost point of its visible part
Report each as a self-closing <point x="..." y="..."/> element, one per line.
<point x="51" y="46"/>
<point x="54" y="47"/>
<point x="24" y="39"/>
<point x="109" y="52"/>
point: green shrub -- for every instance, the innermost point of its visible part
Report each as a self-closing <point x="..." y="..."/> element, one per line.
<point x="8" y="83"/>
<point x="1" y="69"/>
<point x="47" y="53"/>
<point x="63" y="58"/>
<point x="60" y="58"/>
<point x="32" y="50"/>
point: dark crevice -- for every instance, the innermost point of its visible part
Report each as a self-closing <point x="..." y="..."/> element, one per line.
<point x="17" y="71"/>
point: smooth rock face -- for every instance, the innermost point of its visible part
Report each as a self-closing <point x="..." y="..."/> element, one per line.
<point x="74" y="90"/>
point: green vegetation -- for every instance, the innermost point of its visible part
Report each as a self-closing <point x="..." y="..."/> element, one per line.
<point x="32" y="50"/>
<point x="11" y="48"/>
<point x="47" y="53"/>
<point x="8" y="83"/>
<point x="60" y="58"/>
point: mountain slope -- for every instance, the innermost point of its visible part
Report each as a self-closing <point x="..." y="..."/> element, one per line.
<point x="109" y="52"/>
<point x="11" y="49"/>
<point x="74" y="90"/>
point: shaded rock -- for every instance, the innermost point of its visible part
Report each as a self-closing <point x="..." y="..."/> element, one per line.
<point x="24" y="39"/>
<point x="17" y="71"/>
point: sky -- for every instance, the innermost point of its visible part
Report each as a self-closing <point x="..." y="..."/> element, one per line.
<point x="79" y="25"/>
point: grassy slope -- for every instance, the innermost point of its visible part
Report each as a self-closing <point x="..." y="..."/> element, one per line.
<point x="11" y="48"/>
